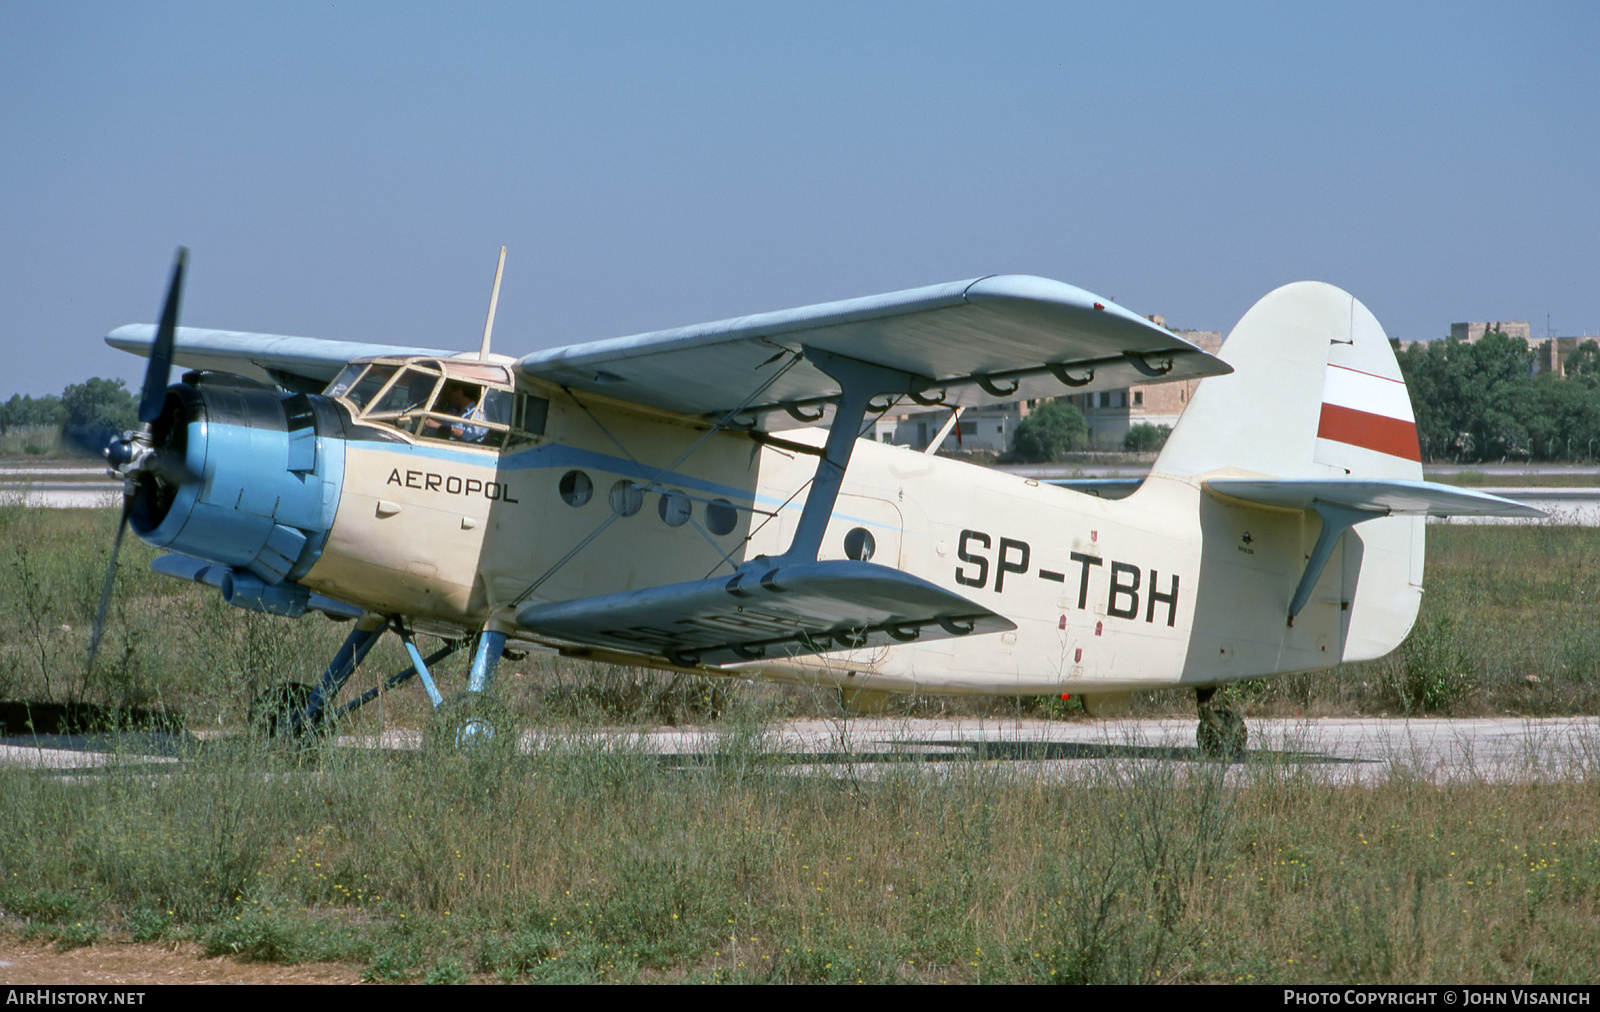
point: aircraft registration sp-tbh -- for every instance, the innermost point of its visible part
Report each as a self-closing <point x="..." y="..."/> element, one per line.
<point x="627" y="501"/>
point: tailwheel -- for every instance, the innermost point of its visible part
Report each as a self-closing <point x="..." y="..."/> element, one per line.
<point x="472" y="725"/>
<point x="1222" y="733"/>
<point x="279" y="712"/>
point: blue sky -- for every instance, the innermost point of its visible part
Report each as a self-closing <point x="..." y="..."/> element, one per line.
<point x="350" y="170"/>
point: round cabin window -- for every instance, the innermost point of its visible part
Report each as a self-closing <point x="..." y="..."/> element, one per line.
<point x="576" y="489"/>
<point x="626" y="498"/>
<point x="721" y="517"/>
<point x="859" y="545"/>
<point x="674" y="508"/>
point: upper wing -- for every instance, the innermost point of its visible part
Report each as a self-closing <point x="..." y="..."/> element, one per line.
<point x="295" y="362"/>
<point x="1005" y="336"/>
<point x="1000" y="337"/>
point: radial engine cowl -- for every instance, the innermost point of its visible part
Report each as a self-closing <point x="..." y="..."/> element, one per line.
<point x="269" y="464"/>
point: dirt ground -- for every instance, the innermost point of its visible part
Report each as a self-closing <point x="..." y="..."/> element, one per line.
<point x="133" y="964"/>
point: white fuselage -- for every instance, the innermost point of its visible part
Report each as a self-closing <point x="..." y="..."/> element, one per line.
<point x="1170" y="585"/>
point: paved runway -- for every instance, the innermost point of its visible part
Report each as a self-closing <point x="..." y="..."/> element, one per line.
<point x="1335" y="751"/>
<point x="59" y="485"/>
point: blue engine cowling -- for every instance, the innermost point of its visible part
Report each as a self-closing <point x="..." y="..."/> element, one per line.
<point x="270" y="466"/>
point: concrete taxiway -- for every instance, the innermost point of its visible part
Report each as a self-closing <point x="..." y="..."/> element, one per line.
<point x="1336" y="751"/>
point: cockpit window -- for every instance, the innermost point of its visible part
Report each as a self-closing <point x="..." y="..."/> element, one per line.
<point x="341" y="383"/>
<point x="465" y="402"/>
<point x="369" y="385"/>
<point x="412" y="391"/>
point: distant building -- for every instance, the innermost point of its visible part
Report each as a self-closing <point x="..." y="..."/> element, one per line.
<point x="989" y="427"/>
<point x="1111" y="413"/>
<point x="1549" y="353"/>
<point x="1470" y="332"/>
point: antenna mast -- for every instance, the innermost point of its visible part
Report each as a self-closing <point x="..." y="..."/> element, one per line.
<point x="494" y="302"/>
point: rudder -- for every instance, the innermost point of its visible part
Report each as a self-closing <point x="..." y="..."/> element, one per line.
<point x="1316" y="392"/>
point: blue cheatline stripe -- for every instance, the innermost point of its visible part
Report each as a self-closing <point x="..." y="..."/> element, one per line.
<point x="559" y="455"/>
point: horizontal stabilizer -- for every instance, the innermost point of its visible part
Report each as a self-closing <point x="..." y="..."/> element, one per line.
<point x="802" y="608"/>
<point x="1005" y="337"/>
<point x="1383" y="496"/>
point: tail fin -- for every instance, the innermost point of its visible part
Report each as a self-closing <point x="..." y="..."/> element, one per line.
<point x="1316" y="402"/>
<point x="1316" y="392"/>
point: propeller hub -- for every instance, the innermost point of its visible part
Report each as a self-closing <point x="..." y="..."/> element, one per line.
<point x="127" y="452"/>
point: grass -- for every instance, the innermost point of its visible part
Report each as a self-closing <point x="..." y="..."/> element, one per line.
<point x="586" y="863"/>
<point x="592" y="860"/>
<point x="31" y="442"/>
<point x="1560" y="479"/>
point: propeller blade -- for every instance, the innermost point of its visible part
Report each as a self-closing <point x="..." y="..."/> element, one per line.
<point x="105" y="590"/>
<point x="160" y="368"/>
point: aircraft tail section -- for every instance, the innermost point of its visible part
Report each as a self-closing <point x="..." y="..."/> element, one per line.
<point x="1316" y="406"/>
<point x="1316" y="392"/>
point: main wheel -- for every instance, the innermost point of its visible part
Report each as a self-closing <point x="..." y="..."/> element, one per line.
<point x="472" y="725"/>
<point x="277" y="712"/>
<point x="1222" y="734"/>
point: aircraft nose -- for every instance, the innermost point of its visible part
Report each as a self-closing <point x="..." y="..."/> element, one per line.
<point x="268" y="466"/>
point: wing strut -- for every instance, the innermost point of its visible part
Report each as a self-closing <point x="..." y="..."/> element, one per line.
<point x="950" y="423"/>
<point x="1335" y="521"/>
<point x="1344" y="502"/>
<point x="792" y="604"/>
<point x="859" y="382"/>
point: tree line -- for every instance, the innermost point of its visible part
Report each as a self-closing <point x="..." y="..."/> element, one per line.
<point x="1474" y="403"/>
<point x="1481" y="402"/>
<point x="96" y="405"/>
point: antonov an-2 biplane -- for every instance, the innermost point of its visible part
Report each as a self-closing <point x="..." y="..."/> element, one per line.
<point x="628" y="500"/>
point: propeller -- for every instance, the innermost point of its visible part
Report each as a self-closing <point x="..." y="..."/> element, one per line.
<point x="134" y="455"/>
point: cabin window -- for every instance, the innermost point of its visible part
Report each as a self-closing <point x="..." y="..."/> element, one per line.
<point x="529" y="414"/>
<point x="444" y="400"/>
<point x="721" y="517"/>
<point x="859" y="544"/>
<point x="626" y="498"/>
<point x="674" y="508"/>
<point x="575" y="488"/>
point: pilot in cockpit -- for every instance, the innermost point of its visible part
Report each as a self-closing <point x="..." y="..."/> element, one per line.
<point x="463" y="400"/>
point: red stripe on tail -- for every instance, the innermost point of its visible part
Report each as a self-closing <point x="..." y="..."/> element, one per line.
<point x="1393" y="436"/>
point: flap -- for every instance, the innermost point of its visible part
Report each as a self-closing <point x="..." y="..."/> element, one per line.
<point x="994" y="338"/>
<point x="1395" y="497"/>
<point x="804" y="608"/>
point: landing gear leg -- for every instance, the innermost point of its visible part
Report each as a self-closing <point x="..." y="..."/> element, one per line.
<point x="1221" y="734"/>
<point x="473" y="723"/>
<point x="369" y="629"/>
<point x="295" y="709"/>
